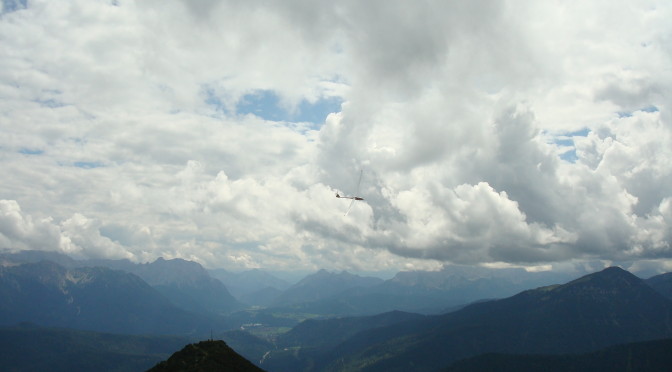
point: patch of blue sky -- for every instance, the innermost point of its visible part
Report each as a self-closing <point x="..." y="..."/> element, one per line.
<point x="264" y="104"/>
<point x="27" y="151"/>
<point x="9" y="6"/>
<point x="569" y="156"/>
<point x="651" y="108"/>
<point x="87" y="164"/>
<point x="566" y="143"/>
<point x="318" y="111"/>
<point x="267" y="105"/>
<point x="627" y="114"/>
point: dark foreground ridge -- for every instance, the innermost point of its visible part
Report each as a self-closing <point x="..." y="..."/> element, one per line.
<point x="650" y="356"/>
<point x="206" y="356"/>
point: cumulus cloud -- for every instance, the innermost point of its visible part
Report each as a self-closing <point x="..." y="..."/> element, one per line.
<point x="77" y="235"/>
<point x="85" y="238"/>
<point x="19" y="232"/>
<point x="125" y="131"/>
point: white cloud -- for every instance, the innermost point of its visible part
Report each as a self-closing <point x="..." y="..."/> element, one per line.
<point x="84" y="234"/>
<point x="120" y="131"/>
<point x="19" y="232"/>
<point x="78" y="235"/>
<point x="473" y="223"/>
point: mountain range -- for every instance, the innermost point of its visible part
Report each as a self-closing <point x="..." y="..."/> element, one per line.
<point x="91" y="298"/>
<point x="185" y="283"/>
<point x="595" y="311"/>
<point x="193" y="288"/>
<point x="342" y="293"/>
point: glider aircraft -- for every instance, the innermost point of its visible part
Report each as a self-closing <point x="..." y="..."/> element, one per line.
<point x="354" y="197"/>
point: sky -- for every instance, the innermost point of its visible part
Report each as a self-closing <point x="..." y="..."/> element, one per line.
<point x="520" y="133"/>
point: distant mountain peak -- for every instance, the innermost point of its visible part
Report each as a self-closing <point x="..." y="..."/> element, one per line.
<point x="324" y="284"/>
<point x="178" y="262"/>
<point x="342" y="277"/>
<point x="613" y="276"/>
<point x="613" y="271"/>
<point x="175" y="270"/>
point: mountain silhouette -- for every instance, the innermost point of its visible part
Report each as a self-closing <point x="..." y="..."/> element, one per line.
<point x="206" y="356"/>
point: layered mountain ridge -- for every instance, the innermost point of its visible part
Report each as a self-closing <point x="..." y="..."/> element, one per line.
<point x="92" y="298"/>
<point x="595" y="311"/>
